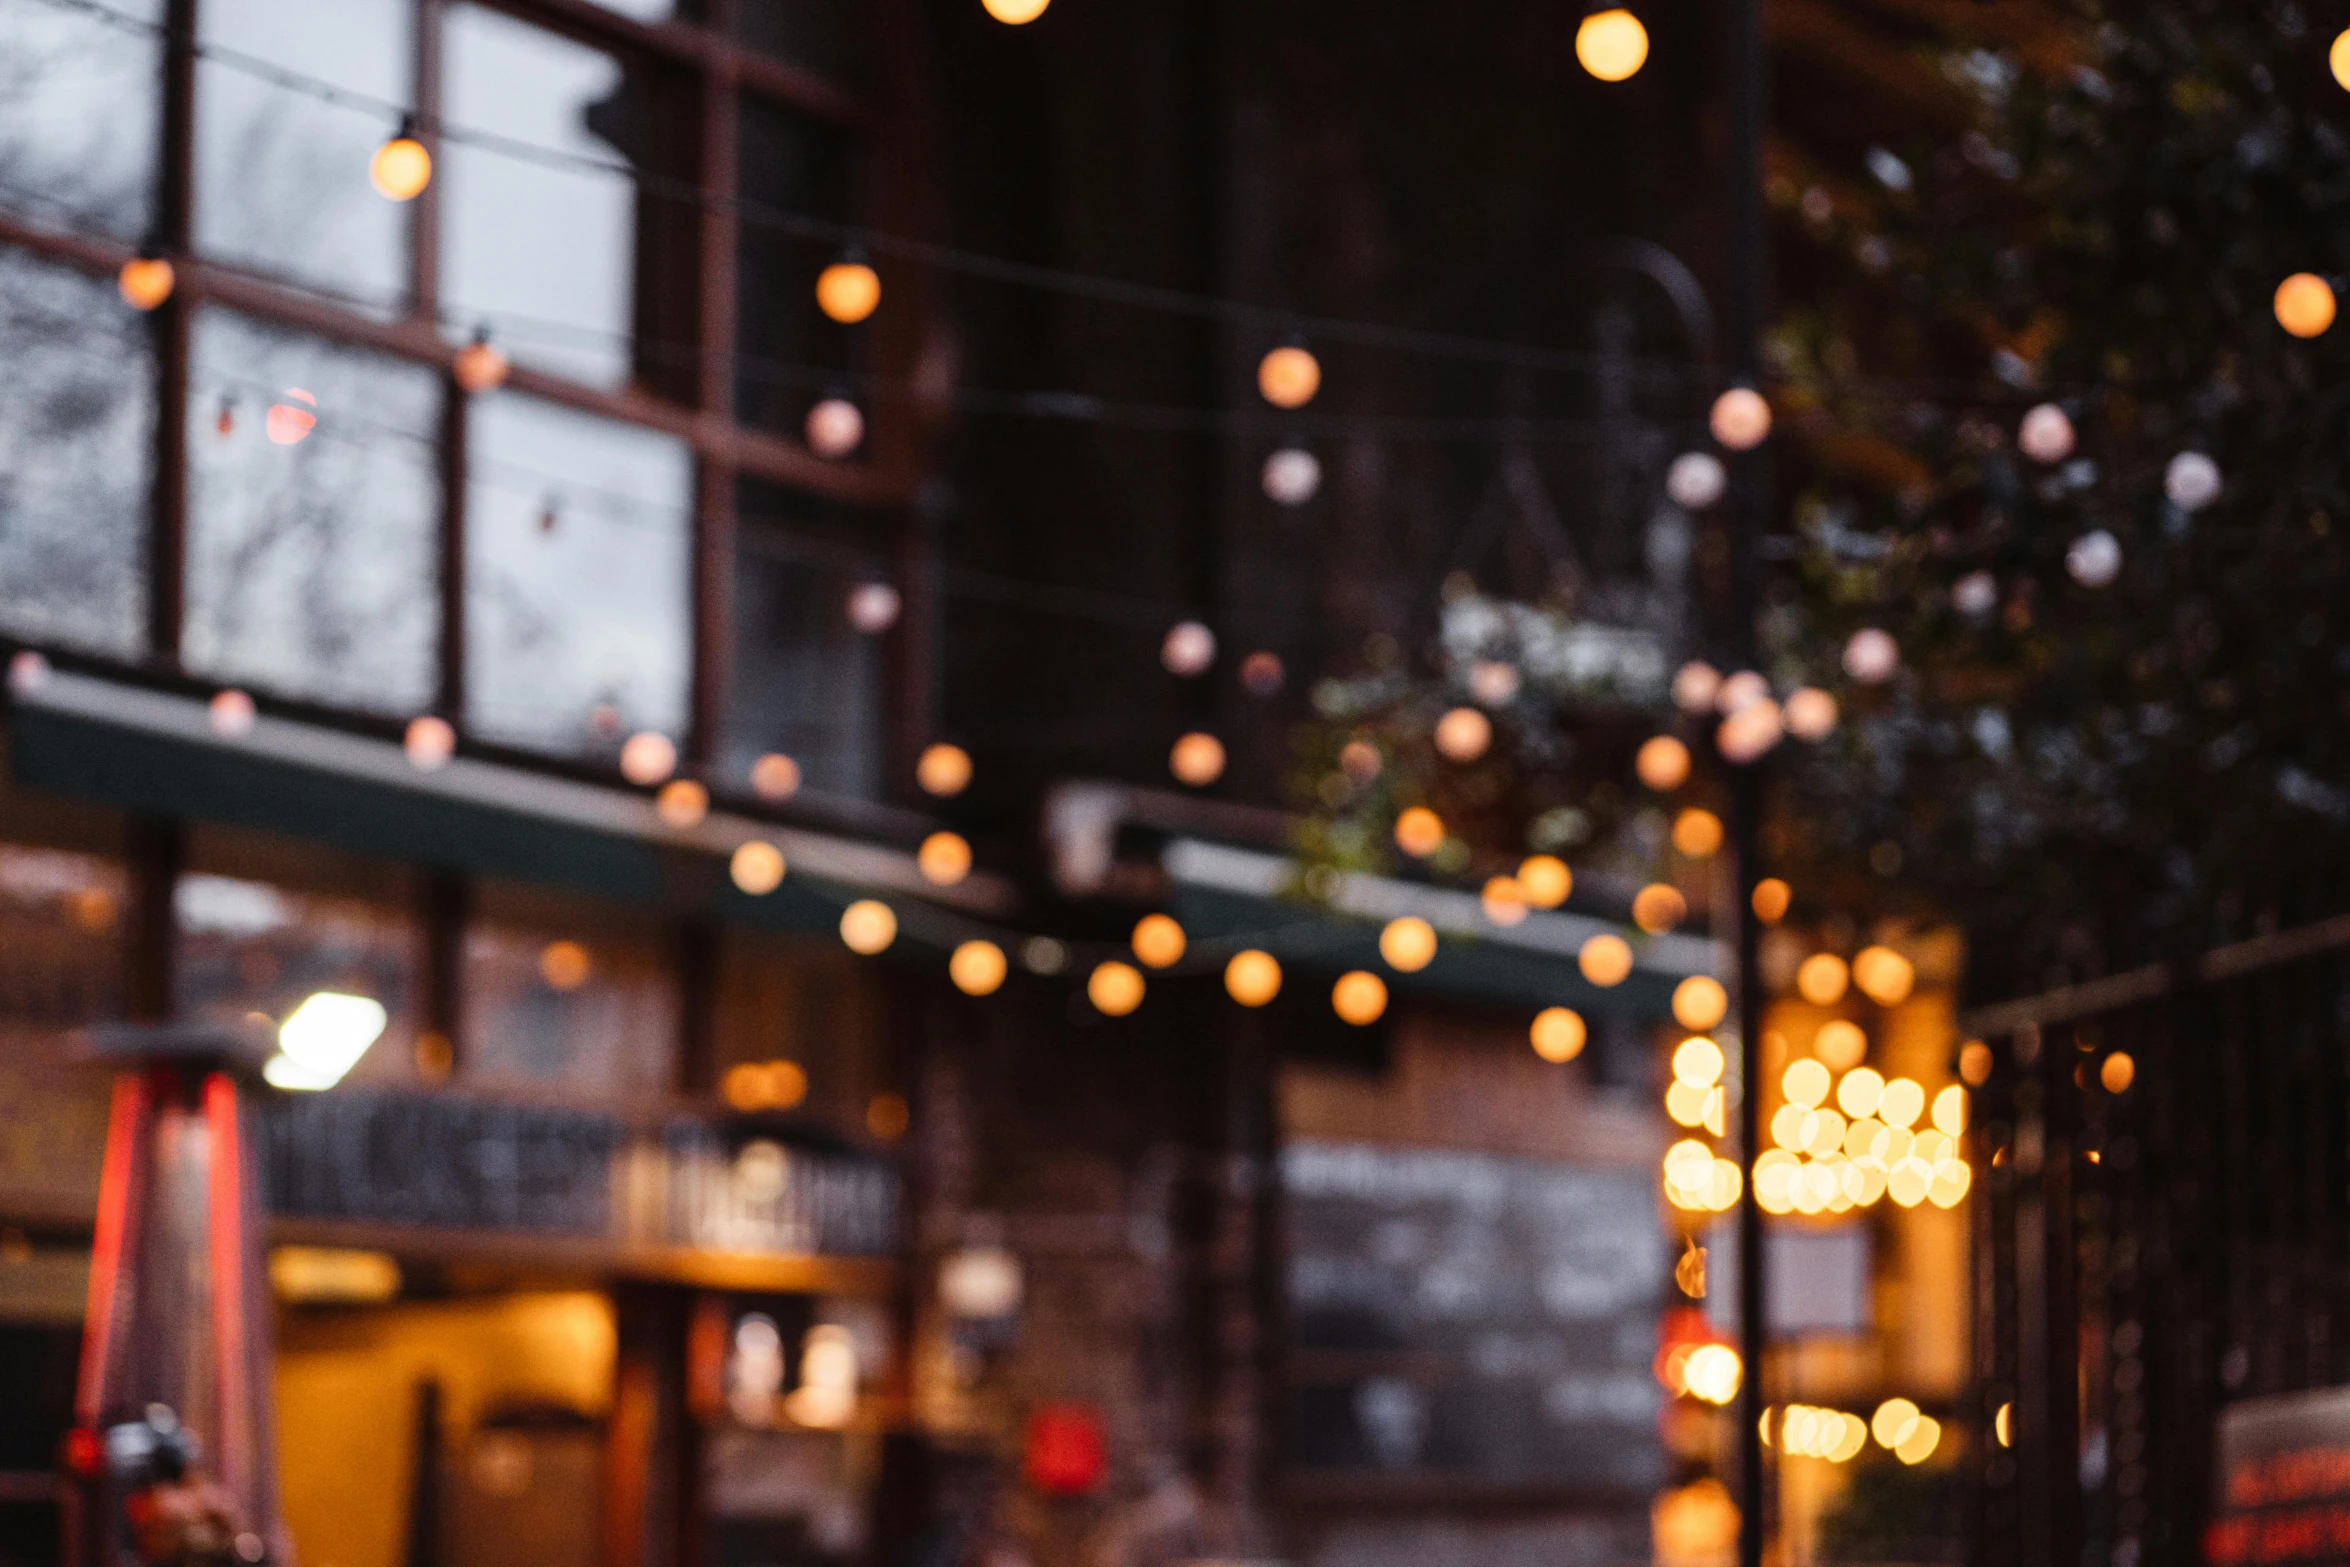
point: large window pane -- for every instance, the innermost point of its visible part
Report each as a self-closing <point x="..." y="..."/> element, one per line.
<point x="559" y="990"/>
<point x="542" y="253"/>
<point x="281" y="174"/>
<point x="806" y="682"/>
<point x="313" y="513"/>
<point x="578" y="602"/>
<point x="790" y="352"/>
<point x="78" y="112"/>
<point x="77" y="413"/>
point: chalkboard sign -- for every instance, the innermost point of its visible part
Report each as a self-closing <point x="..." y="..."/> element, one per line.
<point x="1471" y="1319"/>
<point x="446" y="1161"/>
<point x="2284" y="1482"/>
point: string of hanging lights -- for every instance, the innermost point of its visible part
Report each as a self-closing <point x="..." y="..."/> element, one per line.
<point x="402" y="168"/>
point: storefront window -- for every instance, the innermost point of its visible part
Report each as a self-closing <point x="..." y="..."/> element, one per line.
<point x="566" y="995"/>
<point x="282" y="174"/>
<point x="252" y="949"/>
<point x="62" y="915"/>
<point x="541" y="250"/>
<point x="77" y="411"/>
<point x="578" y="609"/>
<point x="313" y="507"/>
<point x="78" y="114"/>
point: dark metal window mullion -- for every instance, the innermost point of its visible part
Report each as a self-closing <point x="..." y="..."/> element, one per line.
<point x="174" y="230"/>
<point x="718" y="163"/>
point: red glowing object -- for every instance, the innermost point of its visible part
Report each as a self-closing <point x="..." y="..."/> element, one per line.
<point x="1066" y="1454"/>
<point x="287" y="424"/>
<point x="83" y="1452"/>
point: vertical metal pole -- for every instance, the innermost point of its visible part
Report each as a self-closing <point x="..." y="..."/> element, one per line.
<point x="1748" y="519"/>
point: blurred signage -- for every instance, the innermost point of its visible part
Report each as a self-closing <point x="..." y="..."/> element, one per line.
<point x="1471" y="1319"/>
<point x="444" y="1161"/>
<point x="2284" y="1482"/>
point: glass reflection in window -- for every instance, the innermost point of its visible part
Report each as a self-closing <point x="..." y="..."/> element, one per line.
<point x="79" y="97"/>
<point x="786" y="345"/>
<point x="281" y="175"/>
<point x="806" y="682"/>
<point x="578" y="550"/>
<point x="252" y="950"/>
<point x="543" y="253"/>
<point x="587" y="1004"/>
<point x="313" y="510"/>
<point x="77" y="417"/>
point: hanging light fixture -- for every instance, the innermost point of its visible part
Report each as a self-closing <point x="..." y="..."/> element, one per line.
<point x="1289" y="376"/>
<point x="849" y="290"/>
<point x="146" y="280"/>
<point x="479" y="367"/>
<point x="1611" y="44"/>
<point x="401" y="168"/>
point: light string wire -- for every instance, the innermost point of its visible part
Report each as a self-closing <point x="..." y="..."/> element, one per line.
<point x="846" y="236"/>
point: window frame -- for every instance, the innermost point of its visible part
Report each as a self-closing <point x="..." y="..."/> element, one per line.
<point x="717" y="70"/>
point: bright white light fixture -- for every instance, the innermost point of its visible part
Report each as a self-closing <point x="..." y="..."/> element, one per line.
<point x="323" y="1039"/>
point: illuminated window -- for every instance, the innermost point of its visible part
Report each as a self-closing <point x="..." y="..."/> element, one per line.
<point x="311" y="563"/>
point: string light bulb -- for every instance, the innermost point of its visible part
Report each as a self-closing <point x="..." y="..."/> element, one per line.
<point x="1545" y="881"/>
<point x="1606" y="960"/>
<point x="1504" y="901"/>
<point x="1292" y="476"/>
<point x="682" y="804"/>
<point x="868" y="926"/>
<point x="2305" y="305"/>
<point x="1883" y="975"/>
<point x="1419" y="832"/>
<point x="1559" y="1034"/>
<point x="1697" y="833"/>
<point x="1700" y="1003"/>
<point x="1188" y="649"/>
<point x="479" y="367"/>
<point x="401" y="168"/>
<point x="1289" y="376"/>
<point x="1663" y="764"/>
<point x="429" y="743"/>
<point x="1015" y="13"/>
<point x="757" y="867"/>
<point x="1158" y="941"/>
<point x="290" y="422"/>
<point x="1359" y="998"/>
<point x="835" y="428"/>
<point x="1197" y="759"/>
<point x="1771" y="900"/>
<point x="1658" y="907"/>
<point x="943" y="770"/>
<point x="849" y="290"/>
<point x="1408" y="943"/>
<point x="978" y="968"/>
<point x="1821" y="978"/>
<point x="775" y="777"/>
<point x="1611" y="44"/>
<point x="1252" y="978"/>
<point x="646" y="758"/>
<point x="1114" y="988"/>
<point x="1809" y="713"/>
<point x="944" y="859"/>
<point x="1740" y="419"/>
<point x="1464" y="734"/>
<point x="145" y="281"/>
<point x="2338" y="60"/>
